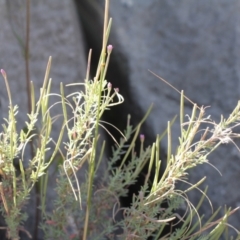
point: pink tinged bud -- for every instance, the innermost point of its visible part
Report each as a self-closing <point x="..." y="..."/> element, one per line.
<point x="142" y="137"/>
<point x="109" y="49"/>
<point x="117" y="90"/>
<point x="51" y="222"/>
<point x="3" y="73"/>
<point x="109" y="85"/>
<point x="72" y="236"/>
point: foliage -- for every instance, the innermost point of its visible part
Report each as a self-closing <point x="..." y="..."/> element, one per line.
<point x="81" y="206"/>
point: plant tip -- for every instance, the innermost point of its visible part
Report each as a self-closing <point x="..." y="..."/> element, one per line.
<point x="116" y="89"/>
<point x="3" y="73"/>
<point x="109" y="49"/>
<point x="142" y="137"/>
<point x="109" y="85"/>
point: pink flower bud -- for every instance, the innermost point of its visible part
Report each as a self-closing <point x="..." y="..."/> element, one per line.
<point x="3" y="73"/>
<point x="142" y="137"/>
<point x="109" y="49"/>
<point x="109" y="85"/>
<point x="72" y="236"/>
<point x="51" y="222"/>
<point x="116" y="90"/>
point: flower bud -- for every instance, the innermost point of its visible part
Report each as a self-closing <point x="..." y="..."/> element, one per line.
<point x="142" y="137"/>
<point x="109" y="85"/>
<point x="3" y="73"/>
<point x="51" y="222"/>
<point x="109" y="49"/>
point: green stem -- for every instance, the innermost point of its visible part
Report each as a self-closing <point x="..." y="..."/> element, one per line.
<point x="93" y="154"/>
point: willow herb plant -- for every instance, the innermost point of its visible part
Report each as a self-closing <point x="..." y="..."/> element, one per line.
<point x="81" y="206"/>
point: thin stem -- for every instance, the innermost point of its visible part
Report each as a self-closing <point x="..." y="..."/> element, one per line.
<point x="27" y="40"/>
<point x="30" y="109"/>
<point x="93" y="154"/>
<point x="105" y="24"/>
<point x="88" y="65"/>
